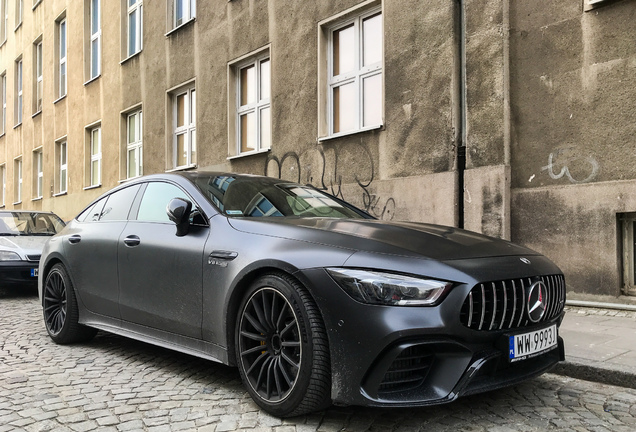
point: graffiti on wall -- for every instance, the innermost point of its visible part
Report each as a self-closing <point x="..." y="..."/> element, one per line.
<point x="575" y="167"/>
<point x="325" y="171"/>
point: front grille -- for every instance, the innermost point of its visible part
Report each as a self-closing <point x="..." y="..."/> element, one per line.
<point x="35" y="258"/>
<point x="407" y="372"/>
<point x="502" y="305"/>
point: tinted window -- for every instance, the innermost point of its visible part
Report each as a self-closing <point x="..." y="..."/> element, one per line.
<point x="118" y="204"/>
<point x="156" y="199"/>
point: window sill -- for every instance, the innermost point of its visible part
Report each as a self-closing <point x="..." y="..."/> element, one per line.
<point x="37" y="199"/>
<point x="17" y="27"/>
<point x="348" y="133"/>
<point x="182" y="168"/>
<point x="93" y="79"/>
<point x="17" y="203"/>
<point x="17" y="125"/>
<point x="36" y="4"/>
<point x="176" y="29"/>
<point x="2" y="134"/>
<point x="60" y="194"/>
<point x="1" y="45"/>
<point x="130" y="57"/>
<point x="252" y="153"/>
<point x="59" y="99"/>
<point x="93" y="187"/>
<point x="35" y="114"/>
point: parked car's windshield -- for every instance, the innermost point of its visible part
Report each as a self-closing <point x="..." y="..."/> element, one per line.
<point x="26" y="223"/>
<point x="258" y="197"/>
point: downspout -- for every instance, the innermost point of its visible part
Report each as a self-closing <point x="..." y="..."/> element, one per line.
<point x="461" y="139"/>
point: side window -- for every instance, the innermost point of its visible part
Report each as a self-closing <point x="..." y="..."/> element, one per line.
<point x="118" y="205"/>
<point x="92" y="213"/>
<point x="156" y="198"/>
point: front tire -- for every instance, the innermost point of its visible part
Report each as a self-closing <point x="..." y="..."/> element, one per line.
<point x="61" y="314"/>
<point x="281" y="348"/>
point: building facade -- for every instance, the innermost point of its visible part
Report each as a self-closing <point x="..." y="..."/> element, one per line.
<point x="505" y="117"/>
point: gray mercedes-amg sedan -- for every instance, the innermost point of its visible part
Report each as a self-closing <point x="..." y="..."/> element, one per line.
<point x="314" y="301"/>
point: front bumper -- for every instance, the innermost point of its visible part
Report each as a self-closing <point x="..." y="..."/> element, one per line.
<point x="414" y="356"/>
<point x="18" y="274"/>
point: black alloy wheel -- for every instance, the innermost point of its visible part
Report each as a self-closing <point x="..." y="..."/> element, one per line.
<point x="282" y="348"/>
<point x="61" y="315"/>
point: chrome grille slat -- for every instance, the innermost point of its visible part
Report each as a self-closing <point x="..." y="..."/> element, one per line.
<point x="494" y="307"/>
<point x="514" y="304"/>
<point x="505" y="306"/>
<point x="502" y="305"/>
<point x="483" y="306"/>
<point x="470" y="309"/>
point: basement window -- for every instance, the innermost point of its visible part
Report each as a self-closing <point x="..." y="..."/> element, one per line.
<point x="627" y="223"/>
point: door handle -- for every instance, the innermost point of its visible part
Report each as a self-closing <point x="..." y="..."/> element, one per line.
<point x="132" y="240"/>
<point x="74" y="239"/>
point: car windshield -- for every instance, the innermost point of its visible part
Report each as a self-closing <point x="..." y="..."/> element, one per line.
<point x="261" y="197"/>
<point x="28" y="224"/>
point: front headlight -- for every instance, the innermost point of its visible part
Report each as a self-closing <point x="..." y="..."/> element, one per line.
<point x="374" y="287"/>
<point x="9" y="256"/>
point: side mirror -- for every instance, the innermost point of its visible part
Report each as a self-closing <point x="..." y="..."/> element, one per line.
<point x="178" y="210"/>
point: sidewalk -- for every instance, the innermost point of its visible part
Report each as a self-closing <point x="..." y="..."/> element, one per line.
<point x="600" y="346"/>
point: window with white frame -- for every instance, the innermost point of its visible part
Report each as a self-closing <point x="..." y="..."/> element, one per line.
<point x="3" y="178"/>
<point x="95" y="147"/>
<point x="18" y="92"/>
<point x="184" y="135"/>
<point x="17" y="166"/>
<point x="134" y="26"/>
<point x="134" y="144"/>
<point x="4" y="20"/>
<point x="3" y="89"/>
<point x="61" y="40"/>
<point x="37" y="79"/>
<point x="182" y="11"/>
<point x="61" y="165"/>
<point x="354" y="78"/>
<point x="95" y="30"/>
<point x="38" y="177"/>
<point x="19" y="7"/>
<point x="253" y="112"/>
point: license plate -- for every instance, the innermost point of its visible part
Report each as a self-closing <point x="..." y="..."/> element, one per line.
<point x="34" y="272"/>
<point x="531" y="344"/>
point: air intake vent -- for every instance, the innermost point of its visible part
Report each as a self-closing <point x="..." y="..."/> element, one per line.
<point x="503" y="305"/>
<point x="407" y="372"/>
<point x="35" y="258"/>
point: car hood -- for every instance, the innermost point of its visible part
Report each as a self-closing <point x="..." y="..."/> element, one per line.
<point x="25" y="244"/>
<point x="404" y="238"/>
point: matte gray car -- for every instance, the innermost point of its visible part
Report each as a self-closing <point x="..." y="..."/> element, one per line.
<point x="314" y="301"/>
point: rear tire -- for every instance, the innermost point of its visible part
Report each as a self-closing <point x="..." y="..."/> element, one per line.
<point x="282" y="349"/>
<point x="61" y="314"/>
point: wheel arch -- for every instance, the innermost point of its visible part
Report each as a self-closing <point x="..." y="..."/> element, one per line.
<point x="244" y="281"/>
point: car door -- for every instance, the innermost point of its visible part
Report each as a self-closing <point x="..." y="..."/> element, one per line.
<point x="160" y="274"/>
<point x="91" y="250"/>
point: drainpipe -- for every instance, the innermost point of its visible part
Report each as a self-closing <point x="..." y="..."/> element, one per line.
<point x="460" y="142"/>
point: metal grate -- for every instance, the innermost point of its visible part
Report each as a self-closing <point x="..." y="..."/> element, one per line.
<point x="35" y="258"/>
<point x="407" y="372"/>
<point x="502" y="305"/>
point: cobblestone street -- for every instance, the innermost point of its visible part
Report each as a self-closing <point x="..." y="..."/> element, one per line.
<point x="115" y="384"/>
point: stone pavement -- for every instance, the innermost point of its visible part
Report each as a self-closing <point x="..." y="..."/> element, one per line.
<point x="113" y="384"/>
<point x="600" y="345"/>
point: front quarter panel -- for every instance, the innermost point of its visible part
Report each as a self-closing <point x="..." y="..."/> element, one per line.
<point x="225" y="280"/>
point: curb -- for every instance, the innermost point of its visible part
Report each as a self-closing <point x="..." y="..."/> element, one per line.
<point x="619" y="375"/>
